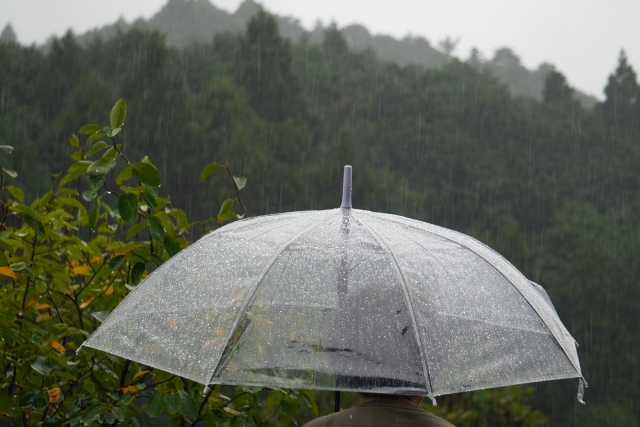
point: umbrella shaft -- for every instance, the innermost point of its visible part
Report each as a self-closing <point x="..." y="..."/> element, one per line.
<point x="337" y="402"/>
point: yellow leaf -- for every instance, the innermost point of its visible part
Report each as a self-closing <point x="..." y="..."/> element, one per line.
<point x="57" y="347"/>
<point x="54" y="394"/>
<point x="31" y="303"/>
<point x="86" y="302"/>
<point x="264" y="320"/>
<point x="80" y="269"/>
<point x="139" y="374"/>
<point x="108" y="290"/>
<point x="231" y="411"/>
<point x="173" y="322"/>
<point x="130" y="389"/>
<point x="42" y="306"/>
<point x="6" y="271"/>
<point x="95" y="260"/>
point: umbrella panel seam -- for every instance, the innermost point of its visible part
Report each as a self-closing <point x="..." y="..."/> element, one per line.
<point x="425" y="367"/>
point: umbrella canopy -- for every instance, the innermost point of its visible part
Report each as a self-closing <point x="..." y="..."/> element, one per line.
<point x="342" y="299"/>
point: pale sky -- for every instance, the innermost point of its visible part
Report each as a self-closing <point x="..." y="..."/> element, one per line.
<point x="581" y="37"/>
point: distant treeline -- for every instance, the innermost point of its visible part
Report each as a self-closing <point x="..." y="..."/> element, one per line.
<point x="549" y="184"/>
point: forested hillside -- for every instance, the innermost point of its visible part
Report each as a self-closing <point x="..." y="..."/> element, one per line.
<point x="184" y="22"/>
<point x="549" y="184"/>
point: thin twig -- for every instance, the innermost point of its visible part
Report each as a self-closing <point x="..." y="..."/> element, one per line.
<point x="202" y="405"/>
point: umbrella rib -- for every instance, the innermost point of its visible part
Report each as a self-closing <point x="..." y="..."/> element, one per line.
<point x="251" y="294"/>
<point x="441" y="231"/>
<point x="423" y="358"/>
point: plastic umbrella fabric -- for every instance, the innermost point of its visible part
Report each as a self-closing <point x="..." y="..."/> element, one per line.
<point x="342" y="299"/>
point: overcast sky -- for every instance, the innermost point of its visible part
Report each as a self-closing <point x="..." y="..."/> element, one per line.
<point x="581" y="37"/>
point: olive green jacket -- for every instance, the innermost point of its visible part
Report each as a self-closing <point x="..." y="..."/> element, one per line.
<point x="382" y="413"/>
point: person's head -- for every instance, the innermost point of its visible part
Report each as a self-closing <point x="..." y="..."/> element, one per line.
<point x="371" y="345"/>
<point x="368" y="397"/>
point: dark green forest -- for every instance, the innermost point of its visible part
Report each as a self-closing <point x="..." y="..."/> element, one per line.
<point x="552" y="186"/>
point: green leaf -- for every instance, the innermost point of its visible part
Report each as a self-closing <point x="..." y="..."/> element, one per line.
<point x="98" y="146"/>
<point x="124" y="175"/>
<point x="95" y="182"/>
<point x="148" y="195"/>
<point x="110" y="154"/>
<point x="183" y="221"/>
<point x="101" y="316"/>
<point x="88" y="385"/>
<point x="28" y="211"/>
<point x="89" y="195"/>
<point x="7" y="148"/>
<point x="95" y="137"/>
<point x="51" y="422"/>
<point x="172" y="402"/>
<point x="189" y="408"/>
<point x="16" y="193"/>
<point x="156" y="228"/>
<point x="37" y="226"/>
<point x="31" y="218"/>
<point x="171" y="245"/>
<point x="128" y="207"/>
<point x="70" y="177"/>
<point x="116" y="262"/>
<point x="109" y="417"/>
<point x="11" y="173"/>
<point x="136" y="422"/>
<point x="147" y="174"/>
<point x="65" y="375"/>
<point x="92" y="411"/>
<point x="101" y="167"/>
<point x="93" y="215"/>
<point x="240" y="181"/>
<point x="37" y="400"/>
<point x="7" y="403"/>
<point x="136" y="272"/>
<point x="227" y="217"/>
<point x="90" y="129"/>
<point x="118" y="114"/>
<point x="155" y="405"/>
<point x="226" y="207"/>
<point x="156" y="259"/>
<point x="42" y="365"/>
<point x="77" y="155"/>
<point x="6" y="247"/>
<point x="74" y="141"/>
<point x="120" y="412"/>
<point x="208" y="170"/>
<point x="18" y="266"/>
<point x="135" y="230"/>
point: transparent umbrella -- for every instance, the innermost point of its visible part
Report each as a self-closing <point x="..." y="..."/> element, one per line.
<point x="342" y="299"/>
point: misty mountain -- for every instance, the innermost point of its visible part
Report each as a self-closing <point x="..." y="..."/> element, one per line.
<point x="185" y="22"/>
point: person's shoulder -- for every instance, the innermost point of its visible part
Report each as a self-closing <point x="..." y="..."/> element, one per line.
<point x="435" y="421"/>
<point x="322" y="421"/>
<point x="381" y="413"/>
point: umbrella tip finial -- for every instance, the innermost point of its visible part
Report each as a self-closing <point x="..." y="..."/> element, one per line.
<point x="346" y="188"/>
